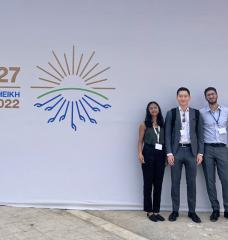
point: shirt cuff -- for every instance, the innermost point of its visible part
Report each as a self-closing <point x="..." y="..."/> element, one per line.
<point x="169" y="154"/>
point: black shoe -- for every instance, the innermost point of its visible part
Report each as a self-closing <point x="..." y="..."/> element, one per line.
<point x="152" y="217"/>
<point x="194" y="217"/>
<point x="225" y="214"/>
<point x="214" y="216"/>
<point x="173" y="216"/>
<point x="159" y="217"/>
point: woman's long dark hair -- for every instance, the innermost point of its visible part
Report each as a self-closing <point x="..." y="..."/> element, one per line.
<point x="148" y="119"/>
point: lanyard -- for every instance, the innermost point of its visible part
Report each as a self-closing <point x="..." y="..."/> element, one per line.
<point x="157" y="132"/>
<point x="217" y="121"/>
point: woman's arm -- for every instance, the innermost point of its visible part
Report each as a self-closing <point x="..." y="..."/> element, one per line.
<point x="142" y="128"/>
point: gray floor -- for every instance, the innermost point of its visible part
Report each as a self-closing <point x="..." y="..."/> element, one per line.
<point x="37" y="224"/>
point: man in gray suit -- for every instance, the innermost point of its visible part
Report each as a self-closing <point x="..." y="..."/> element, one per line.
<point x="184" y="146"/>
<point x="215" y="119"/>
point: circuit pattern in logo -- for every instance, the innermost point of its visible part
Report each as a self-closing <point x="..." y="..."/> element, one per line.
<point x="73" y="90"/>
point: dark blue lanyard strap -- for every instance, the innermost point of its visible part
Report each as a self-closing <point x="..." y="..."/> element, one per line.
<point x="217" y="121"/>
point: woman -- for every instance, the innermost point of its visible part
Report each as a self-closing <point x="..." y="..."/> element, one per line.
<point x="151" y="155"/>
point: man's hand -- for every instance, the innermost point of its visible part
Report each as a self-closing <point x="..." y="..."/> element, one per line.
<point x="170" y="159"/>
<point x="199" y="158"/>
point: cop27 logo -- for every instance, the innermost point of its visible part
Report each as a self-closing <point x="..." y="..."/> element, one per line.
<point x="72" y="90"/>
<point x="9" y="90"/>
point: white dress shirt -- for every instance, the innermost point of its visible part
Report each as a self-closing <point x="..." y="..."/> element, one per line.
<point x="185" y="126"/>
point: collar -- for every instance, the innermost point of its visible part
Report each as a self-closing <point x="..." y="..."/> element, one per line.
<point x="180" y="109"/>
<point x="209" y="110"/>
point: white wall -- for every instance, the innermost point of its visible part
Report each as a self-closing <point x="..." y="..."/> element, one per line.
<point x="153" y="47"/>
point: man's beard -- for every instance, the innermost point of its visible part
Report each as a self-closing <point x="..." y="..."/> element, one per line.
<point x="212" y="102"/>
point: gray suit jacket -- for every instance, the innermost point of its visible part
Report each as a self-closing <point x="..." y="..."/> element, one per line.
<point x="172" y="137"/>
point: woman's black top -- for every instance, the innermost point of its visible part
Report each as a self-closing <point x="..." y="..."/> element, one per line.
<point x="150" y="136"/>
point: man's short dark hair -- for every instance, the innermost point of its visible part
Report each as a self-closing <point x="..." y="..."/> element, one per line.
<point x="183" y="89"/>
<point x="209" y="89"/>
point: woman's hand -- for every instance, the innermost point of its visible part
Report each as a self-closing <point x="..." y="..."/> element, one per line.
<point x="141" y="158"/>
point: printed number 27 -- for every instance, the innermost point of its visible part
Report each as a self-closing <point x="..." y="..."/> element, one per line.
<point x="6" y="71"/>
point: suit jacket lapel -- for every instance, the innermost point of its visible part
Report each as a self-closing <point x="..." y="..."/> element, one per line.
<point x="178" y="124"/>
<point x="191" y="118"/>
<point x="178" y="120"/>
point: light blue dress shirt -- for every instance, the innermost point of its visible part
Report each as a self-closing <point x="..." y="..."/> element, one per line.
<point x="213" y="120"/>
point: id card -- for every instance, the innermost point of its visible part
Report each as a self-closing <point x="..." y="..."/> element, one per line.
<point x="158" y="146"/>
<point x="222" y="130"/>
<point x="182" y="132"/>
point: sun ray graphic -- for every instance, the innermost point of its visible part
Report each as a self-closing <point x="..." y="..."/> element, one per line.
<point x="72" y="89"/>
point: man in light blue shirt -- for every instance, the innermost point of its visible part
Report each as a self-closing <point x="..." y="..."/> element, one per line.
<point x="215" y="119"/>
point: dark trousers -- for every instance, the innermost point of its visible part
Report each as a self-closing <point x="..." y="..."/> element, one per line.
<point x="184" y="157"/>
<point x="153" y="173"/>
